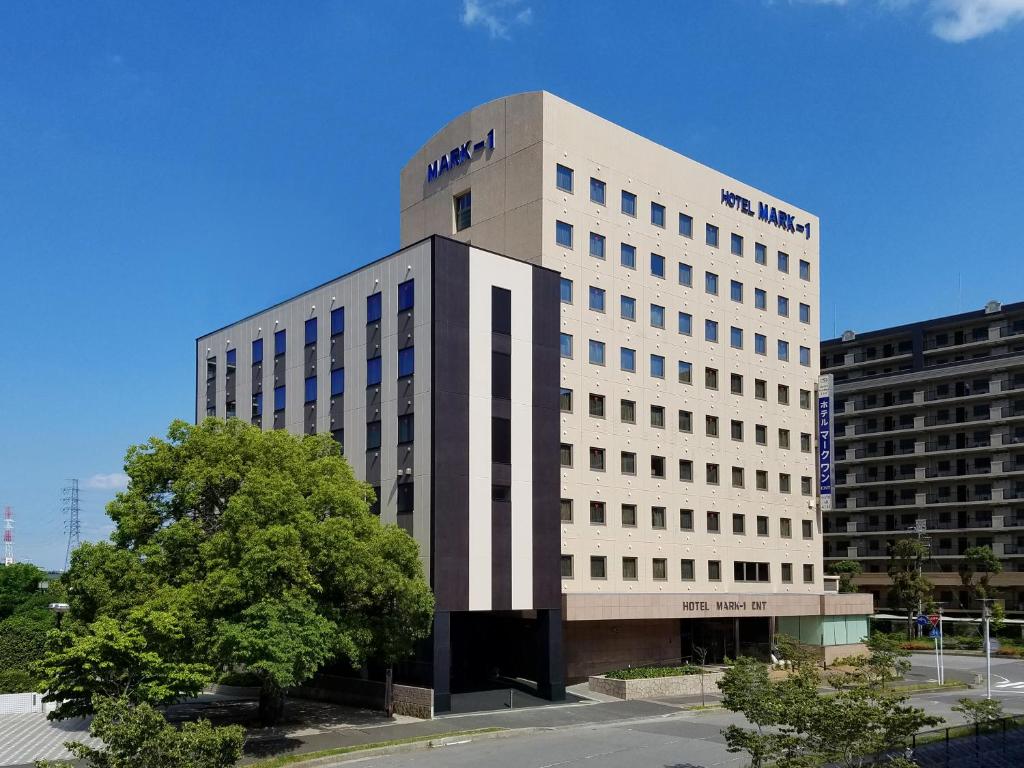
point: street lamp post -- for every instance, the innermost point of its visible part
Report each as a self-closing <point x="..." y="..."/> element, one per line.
<point x="59" y="609"/>
<point x="986" y="615"/>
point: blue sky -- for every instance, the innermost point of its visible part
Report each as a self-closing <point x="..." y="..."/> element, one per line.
<point x="169" y="167"/>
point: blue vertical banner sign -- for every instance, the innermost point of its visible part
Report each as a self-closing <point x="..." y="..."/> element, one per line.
<point x="826" y="460"/>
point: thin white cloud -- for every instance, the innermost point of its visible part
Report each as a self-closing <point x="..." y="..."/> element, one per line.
<point x="115" y="481"/>
<point x="955" y="21"/>
<point x="497" y="17"/>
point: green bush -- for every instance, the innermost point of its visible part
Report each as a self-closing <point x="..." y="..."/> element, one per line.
<point x="16" y="681"/>
<point x="240" y="679"/>
<point x="640" y="673"/>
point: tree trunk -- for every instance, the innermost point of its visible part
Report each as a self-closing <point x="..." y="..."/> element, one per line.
<point x="271" y="704"/>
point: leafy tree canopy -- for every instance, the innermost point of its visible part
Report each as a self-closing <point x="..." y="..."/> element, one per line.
<point x="18" y="583"/>
<point x="847" y="571"/>
<point x="978" y="566"/>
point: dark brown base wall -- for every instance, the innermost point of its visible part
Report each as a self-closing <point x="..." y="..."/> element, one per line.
<point x="596" y="647"/>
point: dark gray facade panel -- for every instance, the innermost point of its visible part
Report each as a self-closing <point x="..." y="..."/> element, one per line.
<point x="450" y="426"/>
<point x="501" y="555"/>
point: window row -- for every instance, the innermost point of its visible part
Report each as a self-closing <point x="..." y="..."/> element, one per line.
<point x="659" y="520"/>
<point x="743" y="571"/>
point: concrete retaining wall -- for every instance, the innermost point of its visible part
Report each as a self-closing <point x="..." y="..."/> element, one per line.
<point x="654" y="687"/>
<point x="409" y="700"/>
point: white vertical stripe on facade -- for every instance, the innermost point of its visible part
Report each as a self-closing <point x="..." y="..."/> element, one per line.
<point x="479" y="432"/>
<point x="522" y="437"/>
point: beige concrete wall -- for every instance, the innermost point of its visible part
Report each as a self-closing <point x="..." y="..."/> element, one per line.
<point x="654" y="687"/>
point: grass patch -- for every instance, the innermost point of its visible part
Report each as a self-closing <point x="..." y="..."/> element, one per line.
<point x="919" y="687"/>
<point x="642" y="673"/>
<point x="275" y="762"/>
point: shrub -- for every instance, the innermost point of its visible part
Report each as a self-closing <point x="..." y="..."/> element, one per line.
<point x="641" y="673"/>
<point x="16" y="681"/>
<point x="240" y="679"/>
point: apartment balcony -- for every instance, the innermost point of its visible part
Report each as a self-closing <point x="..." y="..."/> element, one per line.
<point x="934" y="395"/>
<point x="935" y="421"/>
<point x="957" y="445"/>
<point x="969" y="498"/>
<point x="973" y="472"/>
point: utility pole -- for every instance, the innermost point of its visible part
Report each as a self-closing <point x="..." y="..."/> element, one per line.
<point x="986" y="615"/>
<point x="920" y="528"/>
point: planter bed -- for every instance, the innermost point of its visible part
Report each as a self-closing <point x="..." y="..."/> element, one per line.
<point x="655" y="687"/>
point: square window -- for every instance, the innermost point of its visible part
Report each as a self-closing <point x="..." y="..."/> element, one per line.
<point x="658" y="366"/>
<point x="783" y="306"/>
<point x="736" y="383"/>
<point x="686" y="470"/>
<point x="760" y="299"/>
<point x="627" y="463"/>
<point x="629" y="203"/>
<point x="597" y="459"/>
<point x="406" y="361"/>
<point x="596" y="352"/>
<point x="783" y="438"/>
<point x="657" y="316"/>
<point x="686" y="572"/>
<point x="657" y="265"/>
<point x="736" y="291"/>
<point x="739" y="524"/>
<point x="685" y="225"/>
<point x="596" y="405"/>
<point x="596" y="299"/>
<point x="805" y="313"/>
<point x="372" y="436"/>
<point x="783" y="482"/>
<point x="685" y="519"/>
<point x="337" y="321"/>
<point x="565" y="400"/>
<point x="565" y="290"/>
<point x="736" y="429"/>
<point x="736" y="337"/>
<point x="805" y="356"/>
<point x="805" y="442"/>
<point x="711" y="474"/>
<point x="658" y="518"/>
<point x="711" y="426"/>
<point x="805" y="270"/>
<point x="711" y="378"/>
<point x="685" y="372"/>
<point x="659" y="568"/>
<point x="785" y="528"/>
<point x="714" y="570"/>
<point x="783" y="394"/>
<point x="808" y="574"/>
<point x="760" y="344"/>
<point x="805" y="485"/>
<point x="807" y="529"/>
<point x="761" y="434"/>
<point x="310" y="331"/>
<point x="565" y="345"/>
<point x="280" y="342"/>
<point x="563" y="234"/>
<point x="627" y="255"/>
<point x="805" y="399"/>
<point x="761" y="480"/>
<point x="463" y="205"/>
<point x="597" y="191"/>
<point x="658" y="416"/>
<point x="597" y="510"/>
<point x="686" y="421"/>
<point x="563" y="178"/>
<point x="627" y="308"/>
<point x="760" y="253"/>
<point x="373" y="372"/>
<point x="257" y="351"/>
<point x="685" y="274"/>
<point x="737" y="477"/>
<point x="566" y="566"/>
<point x="711" y="330"/>
<point x="627" y="359"/>
<point x="783" y="350"/>
<point x="787" y="573"/>
<point x="714" y="522"/>
<point x="711" y="235"/>
<point x="406" y="428"/>
<point x="406" y="295"/>
<point x="597" y="245"/>
<point x="629" y="569"/>
<point x="658" y="466"/>
<point x="598" y="567"/>
<point x="627" y="411"/>
<point x="686" y="323"/>
<point x="736" y="245"/>
<point x="311" y="389"/>
<point x="711" y="283"/>
<point x="762" y="525"/>
<point x="658" y="215"/>
<point x="783" y="262"/>
<point x="337" y="382"/>
<point x="565" y="454"/>
<point x="373" y="308"/>
<point x="760" y="389"/>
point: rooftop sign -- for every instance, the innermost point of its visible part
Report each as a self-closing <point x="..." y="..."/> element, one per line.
<point x="766" y="213"/>
<point x="461" y="154"/>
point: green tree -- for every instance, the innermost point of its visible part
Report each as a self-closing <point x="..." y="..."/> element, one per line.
<point x="847" y="571"/>
<point x="886" y="661"/>
<point x="18" y="583"/>
<point x="138" y="735"/>
<point x="910" y="589"/>
<point x="795" y="653"/>
<point x="262" y="547"/>
<point x="976" y="569"/>
<point x="978" y="711"/>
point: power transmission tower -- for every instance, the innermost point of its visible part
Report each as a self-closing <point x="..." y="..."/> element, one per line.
<point x="8" y="536"/>
<point x="72" y="524"/>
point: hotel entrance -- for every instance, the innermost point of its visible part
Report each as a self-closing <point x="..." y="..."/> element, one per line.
<point x="723" y="638"/>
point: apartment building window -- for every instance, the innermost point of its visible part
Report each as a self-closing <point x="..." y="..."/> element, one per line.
<point x="337" y="321"/>
<point x="373" y="371"/>
<point x="739" y="524"/>
<point x="805" y="356"/>
<point x="657" y="265"/>
<point x="658" y="416"/>
<point x="805" y="313"/>
<point x="737" y="477"/>
<point x="736" y="383"/>
<point x="280" y="342"/>
<point x="685" y="372"/>
<point x="597" y="513"/>
<point x="565" y="454"/>
<point x="596" y="299"/>
<point x="805" y="399"/>
<point x="629" y="569"/>
<point x="784" y="482"/>
<point x="685" y="421"/>
<point x="257" y="351"/>
<point x="658" y="518"/>
<point x="760" y="253"/>
<point x="598" y="567"/>
<point x="736" y="291"/>
<point x="711" y="283"/>
<point x="597" y="191"/>
<point x="406" y="295"/>
<point x="760" y="389"/>
<point x="760" y="298"/>
<point x="659" y="569"/>
<point x="805" y="442"/>
<point x="501" y="440"/>
<point x="760" y="344"/>
<point x="279" y="398"/>
<point x="629" y="203"/>
<point x="565" y="345"/>
<point x="627" y="308"/>
<point x="711" y="331"/>
<point x="783" y="438"/>
<point x="711" y="378"/>
<point x="372" y="435"/>
<point x="658" y="215"/>
<point x="565" y="290"/>
<point x="736" y="244"/>
<point x="686" y="572"/>
<point x="785" y="528"/>
<point x="807" y="529"/>
<point x="596" y="352"/>
<point x="736" y="337"/>
<point x="686" y="323"/>
<point x="463" y="211"/>
<point x="658" y="366"/>
<point x="711" y="474"/>
<point x="761" y="434"/>
<point x="714" y="522"/>
<point x="744" y="571"/>
<point x="736" y="429"/>
<point x="685" y="519"/>
<point x="657" y="316"/>
<point x="685" y="225"/>
<point x="257" y="404"/>
<point x="310" y="330"/>
<point x="761" y="479"/>
<point x="565" y="400"/>
<point x="787" y="573"/>
<point x="658" y="467"/>
<point x="783" y="394"/>
<point x="627" y="463"/>
<point x="597" y="245"/>
<point x="373" y="308"/>
<point x="563" y="178"/>
<point x="406" y="361"/>
<point x="805" y="485"/>
<point x="783" y="308"/>
<point x="711" y="235"/>
<point x="686" y="470"/>
<point x="783" y="350"/>
<point x="311" y="389"/>
<point x="627" y="411"/>
<point x="685" y="275"/>
<point x="407" y="428"/>
<point x="629" y="515"/>
<point x="808" y="574"/>
<point x="711" y="426"/>
<point x="762" y="525"/>
<point x="565" y="510"/>
<point x="714" y="570"/>
<point x="597" y="459"/>
<point x="563" y="234"/>
<point x="627" y="255"/>
<point x="805" y="270"/>
<point x="783" y="262"/>
<point x="596" y="405"/>
<point x="627" y="359"/>
<point x="566" y="566"/>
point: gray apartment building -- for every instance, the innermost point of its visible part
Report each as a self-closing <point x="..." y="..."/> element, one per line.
<point x="436" y="368"/>
<point x="929" y="440"/>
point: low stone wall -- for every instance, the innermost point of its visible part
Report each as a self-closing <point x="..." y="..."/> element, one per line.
<point x="830" y="653"/>
<point x="655" y="687"/>
<point x="414" y="702"/>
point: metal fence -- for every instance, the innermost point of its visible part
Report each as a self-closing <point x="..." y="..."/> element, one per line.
<point x="993" y="744"/>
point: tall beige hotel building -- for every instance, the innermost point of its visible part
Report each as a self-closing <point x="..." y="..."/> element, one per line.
<point x="689" y="512"/>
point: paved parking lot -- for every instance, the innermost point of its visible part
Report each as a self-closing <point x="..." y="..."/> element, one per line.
<point x="24" y="738"/>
